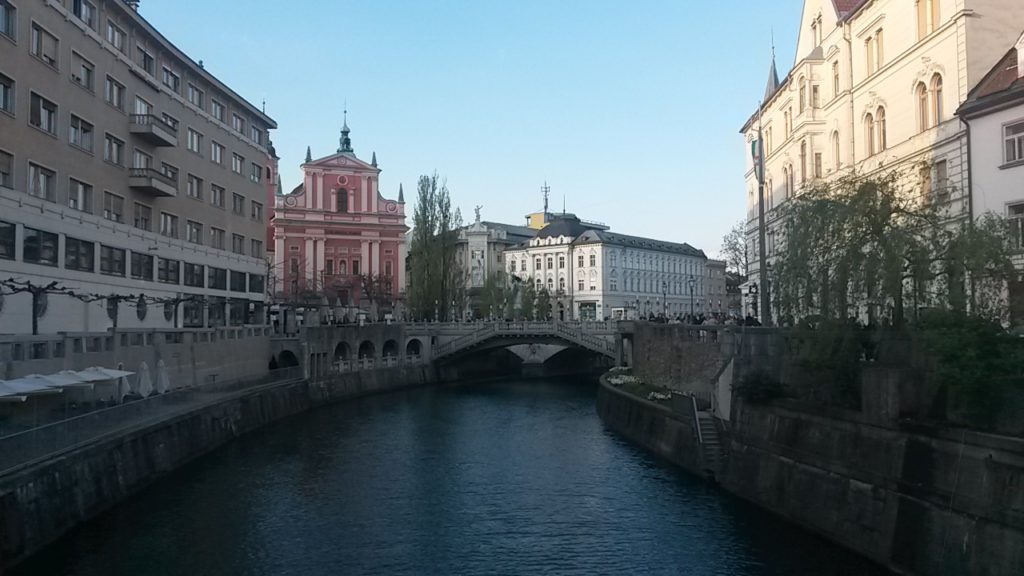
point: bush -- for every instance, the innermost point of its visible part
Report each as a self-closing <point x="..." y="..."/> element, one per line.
<point x="760" y="388"/>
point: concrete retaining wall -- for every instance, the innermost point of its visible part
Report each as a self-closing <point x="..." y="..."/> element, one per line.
<point x="39" y="504"/>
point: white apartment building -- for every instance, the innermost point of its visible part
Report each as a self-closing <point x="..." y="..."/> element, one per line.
<point x="875" y="86"/>
<point x="994" y="113"/>
<point x="595" y="274"/>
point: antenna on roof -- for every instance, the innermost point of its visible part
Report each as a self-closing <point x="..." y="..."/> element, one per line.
<point x="773" y="42"/>
<point x="563" y="203"/>
<point x="546" y="190"/>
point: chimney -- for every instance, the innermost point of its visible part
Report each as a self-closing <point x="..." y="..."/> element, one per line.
<point x="133" y="4"/>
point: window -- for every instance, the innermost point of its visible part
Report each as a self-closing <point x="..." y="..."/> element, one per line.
<point x="922" y="106"/>
<point x="941" y="181"/>
<point x="194" y="275"/>
<point x="43" y="114"/>
<point x="815" y="97"/>
<point x="869" y="55"/>
<point x="143" y="217"/>
<point x="329" y="267"/>
<point x="44" y="45"/>
<point x="817" y="165"/>
<point x="195" y="187"/>
<point x="550" y="263"/>
<point x="168" y="271"/>
<point x="238" y="284"/>
<point x="42" y="182"/>
<point x="936" y="100"/>
<point x="256" y="173"/>
<point x="6" y="94"/>
<point x="193" y="232"/>
<point x="79" y="255"/>
<point x="6" y="240"/>
<point x="217" y="278"/>
<point x="8" y="18"/>
<point x="579" y="261"/>
<point x="113" y="207"/>
<point x="113" y="93"/>
<point x="80" y="133"/>
<point x="835" y="79"/>
<point x="237" y="123"/>
<point x="115" y="36"/>
<point x="238" y="244"/>
<point x="256" y="134"/>
<point x="593" y="260"/>
<point x="803" y="94"/>
<point x="85" y="11"/>
<point x="257" y="210"/>
<point x="1013" y="143"/>
<point x="195" y="95"/>
<point x="113" y="151"/>
<point x="926" y="180"/>
<point x="238" y="204"/>
<point x="803" y="162"/>
<point x="790" y="182"/>
<point x="256" y="248"/>
<point x="142" y="106"/>
<point x="195" y="141"/>
<point x="79" y="196"/>
<point x="342" y="267"/>
<point x="355" y="267"/>
<point x="82" y="71"/>
<point x="168" y="225"/>
<point x="341" y="199"/>
<point x="880" y="128"/>
<point x="141" y="159"/>
<point x="1015" y="218"/>
<point x="170" y="171"/>
<point x="217" y="238"/>
<point x="6" y="170"/>
<point x="217" y="109"/>
<point x="928" y="17"/>
<point x="579" y="285"/>
<point x="836" y="162"/>
<point x="216" y="153"/>
<point x="142" y="266"/>
<point x="879" y="52"/>
<point x="216" y="195"/>
<point x="236" y="163"/>
<point x="145" y="60"/>
<point x="39" y="247"/>
<point x="112" y="260"/>
<point x="561" y="262"/>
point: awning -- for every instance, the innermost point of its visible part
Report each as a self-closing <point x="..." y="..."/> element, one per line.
<point x="27" y="385"/>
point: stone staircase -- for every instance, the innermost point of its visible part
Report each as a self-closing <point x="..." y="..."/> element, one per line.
<point x="712" y="451"/>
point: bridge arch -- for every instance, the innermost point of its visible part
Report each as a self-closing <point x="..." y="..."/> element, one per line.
<point x="413" y="347"/>
<point x="287" y="359"/>
<point x="366" y="350"/>
<point x="342" y="352"/>
<point x="390" y="349"/>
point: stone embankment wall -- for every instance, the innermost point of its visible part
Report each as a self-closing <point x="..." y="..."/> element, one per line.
<point x="681" y="357"/>
<point x="40" y="503"/>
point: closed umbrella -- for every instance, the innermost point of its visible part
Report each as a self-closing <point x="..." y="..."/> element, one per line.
<point x="163" y="382"/>
<point x="144" y="386"/>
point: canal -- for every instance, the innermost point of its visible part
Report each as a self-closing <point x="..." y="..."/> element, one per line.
<point x="490" y="478"/>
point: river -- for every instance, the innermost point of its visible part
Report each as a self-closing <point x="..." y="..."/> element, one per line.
<point x="513" y="477"/>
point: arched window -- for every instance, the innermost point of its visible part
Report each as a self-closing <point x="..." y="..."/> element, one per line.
<point x="880" y="121"/>
<point x="790" y="182"/>
<point x="803" y="162"/>
<point x="922" y="106"/>
<point x="835" y="151"/>
<point x="342" y="268"/>
<point x="342" y="198"/>
<point x="869" y="135"/>
<point x="769" y="189"/>
<point x="936" y="99"/>
<point x="785" y="182"/>
<point x="803" y="93"/>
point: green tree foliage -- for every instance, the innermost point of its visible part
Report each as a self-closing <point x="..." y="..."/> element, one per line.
<point x="495" y="296"/>
<point x="527" y="300"/>
<point x="543" y="304"/>
<point x="734" y="249"/>
<point x="436" y="280"/>
<point x="873" y="245"/>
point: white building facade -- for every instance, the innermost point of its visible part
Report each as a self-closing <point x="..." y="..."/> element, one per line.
<point x="874" y="87"/>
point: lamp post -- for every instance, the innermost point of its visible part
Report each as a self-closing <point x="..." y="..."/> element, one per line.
<point x="454" y="317"/>
<point x="664" y="299"/>
<point x="691" y="282"/>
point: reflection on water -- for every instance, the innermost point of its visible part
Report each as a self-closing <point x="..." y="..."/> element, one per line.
<point x="496" y="478"/>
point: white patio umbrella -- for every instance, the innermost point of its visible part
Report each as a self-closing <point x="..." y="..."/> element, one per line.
<point x="115" y="382"/>
<point x="33" y="384"/>
<point x="143" y="385"/>
<point x="163" y="382"/>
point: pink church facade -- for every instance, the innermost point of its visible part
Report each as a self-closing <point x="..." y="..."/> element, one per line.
<point x="335" y="235"/>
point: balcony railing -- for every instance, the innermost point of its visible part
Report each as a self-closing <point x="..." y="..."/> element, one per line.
<point x="152" y="181"/>
<point x="154" y="130"/>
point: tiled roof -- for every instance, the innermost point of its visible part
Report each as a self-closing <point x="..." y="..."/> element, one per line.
<point x="511" y="230"/>
<point x="1004" y="81"/>
<point x="846" y="8"/>
<point x="605" y="237"/>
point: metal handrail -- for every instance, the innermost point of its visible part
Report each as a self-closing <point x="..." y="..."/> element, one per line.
<point x="152" y="173"/>
<point x="150" y="119"/>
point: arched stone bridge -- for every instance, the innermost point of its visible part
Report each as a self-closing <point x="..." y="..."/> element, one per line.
<point x="327" y="349"/>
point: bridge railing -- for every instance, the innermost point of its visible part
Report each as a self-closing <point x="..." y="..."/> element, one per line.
<point x="586" y="334"/>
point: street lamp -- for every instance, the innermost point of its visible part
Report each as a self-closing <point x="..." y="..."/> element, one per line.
<point x="691" y="282"/>
<point x="664" y="299"/>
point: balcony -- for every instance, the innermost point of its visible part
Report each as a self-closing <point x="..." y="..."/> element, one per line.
<point x="154" y="130"/>
<point x="153" y="181"/>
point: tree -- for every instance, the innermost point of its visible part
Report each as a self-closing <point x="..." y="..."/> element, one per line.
<point x="378" y="291"/>
<point x="734" y="249"/>
<point x="39" y="292"/>
<point x="543" y="304"/>
<point x="527" y="300"/>
<point x="873" y="245"/>
<point x="436" y="280"/>
<point x="495" y="295"/>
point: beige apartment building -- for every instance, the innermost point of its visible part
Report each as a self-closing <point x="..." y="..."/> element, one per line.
<point x="125" y="169"/>
<point x="874" y="87"/>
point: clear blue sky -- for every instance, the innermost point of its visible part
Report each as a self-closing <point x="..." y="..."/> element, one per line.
<point x="631" y="111"/>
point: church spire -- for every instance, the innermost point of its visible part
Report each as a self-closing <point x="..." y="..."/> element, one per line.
<point x="374" y="161"/>
<point x="401" y="194"/>
<point x="309" y="155"/>
<point x="345" y="143"/>
<point x="773" y="76"/>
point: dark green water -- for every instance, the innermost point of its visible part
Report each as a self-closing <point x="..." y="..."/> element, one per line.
<point x="495" y="478"/>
